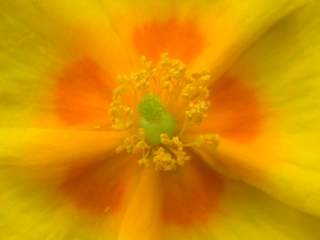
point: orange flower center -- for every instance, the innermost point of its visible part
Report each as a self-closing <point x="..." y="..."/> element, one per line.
<point x="156" y="105"/>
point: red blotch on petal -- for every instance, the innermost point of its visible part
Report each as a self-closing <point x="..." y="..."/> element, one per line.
<point x="235" y="110"/>
<point x="181" y="39"/>
<point x="83" y="92"/>
<point x="99" y="188"/>
<point x="190" y="195"/>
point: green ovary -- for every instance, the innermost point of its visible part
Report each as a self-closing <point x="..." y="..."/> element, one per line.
<point x="155" y="120"/>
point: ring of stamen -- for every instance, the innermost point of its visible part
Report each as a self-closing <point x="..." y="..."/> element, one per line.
<point x="156" y="128"/>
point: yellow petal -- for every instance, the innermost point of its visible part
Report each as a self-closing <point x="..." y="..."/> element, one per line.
<point x="49" y="153"/>
<point x="26" y="55"/>
<point x="204" y="33"/>
<point x="40" y="42"/>
<point x="231" y="27"/>
<point x="60" y="183"/>
<point x="282" y="70"/>
<point x="141" y="216"/>
<point x="149" y="28"/>
<point x="246" y="213"/>
<point x="31" y="212"/>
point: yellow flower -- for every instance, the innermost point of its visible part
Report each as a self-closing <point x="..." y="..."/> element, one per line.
<point x="160" y="119"/>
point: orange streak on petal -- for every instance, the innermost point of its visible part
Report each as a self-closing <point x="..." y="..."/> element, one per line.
<point x="141" y="216"/>
<point x="191" y="195"/>
<point x="181" y="39"/>
<point x="82" y="93"/>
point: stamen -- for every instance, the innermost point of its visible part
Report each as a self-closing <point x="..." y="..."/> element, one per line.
<point x="153" y="130"/>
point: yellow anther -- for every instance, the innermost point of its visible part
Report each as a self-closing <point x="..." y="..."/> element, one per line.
<point x="122" y="115"/>
<point x="207" y="139"/>
<point x="134" y="143"/>
<point x="197" y="111"/>
<point x="176" y="147"/>
<point x="144" y="161"/>
<point x="171" y="142"/>
<point x="181" y="157"/>
<point x="165" y="139"/>
<point x="163" y="160"/>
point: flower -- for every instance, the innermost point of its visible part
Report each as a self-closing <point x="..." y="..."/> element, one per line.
<point x="159" y="120"/>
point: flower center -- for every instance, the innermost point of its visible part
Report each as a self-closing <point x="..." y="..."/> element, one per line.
<point x="168" y="100"/>
<point x="155" y="119"/>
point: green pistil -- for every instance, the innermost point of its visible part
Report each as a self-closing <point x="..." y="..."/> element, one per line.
<point x="155" y="120"/>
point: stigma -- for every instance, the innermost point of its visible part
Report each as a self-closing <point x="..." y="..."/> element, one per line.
<point x="156" y="106"/>
<point x="155" y="120"/>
